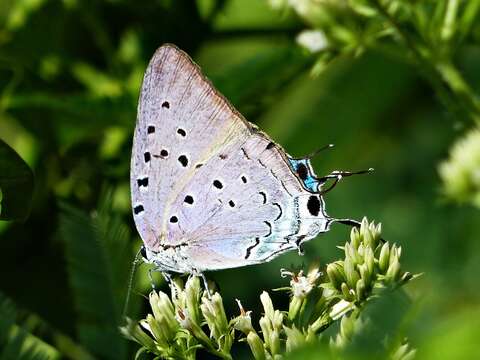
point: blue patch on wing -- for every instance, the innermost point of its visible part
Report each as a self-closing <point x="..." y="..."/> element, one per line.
<point x="303" y="169"/>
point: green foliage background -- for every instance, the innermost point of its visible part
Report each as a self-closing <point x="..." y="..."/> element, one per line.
<point x="70" y="72"/>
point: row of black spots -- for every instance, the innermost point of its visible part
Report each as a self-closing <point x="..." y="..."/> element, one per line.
<point x="182" y="159"/>
<point x="269" y="228"/>
<point x="250" y="248"/>
<point x="280" y="213"/>
<point x="313" y="205"/>
<point x="138" y="209"/>
<point x="142" y="182"/>
<point x="264" y="196"/>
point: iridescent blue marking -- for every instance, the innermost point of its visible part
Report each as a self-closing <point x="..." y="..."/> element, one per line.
<point x="310" y="180"/>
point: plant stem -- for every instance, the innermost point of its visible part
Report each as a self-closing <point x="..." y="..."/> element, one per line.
<point x="445" y="79"/>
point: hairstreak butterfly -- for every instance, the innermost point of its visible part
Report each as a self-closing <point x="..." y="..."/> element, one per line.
<point x="209" y="189"/>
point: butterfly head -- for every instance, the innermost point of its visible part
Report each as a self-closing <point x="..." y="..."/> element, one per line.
<point x="304" y="171"/>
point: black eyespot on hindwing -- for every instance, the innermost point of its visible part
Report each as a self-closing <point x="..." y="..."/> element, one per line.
<point x="313" y="205"/>
<point x="188" y="199"/>
<point x="174" y="219"/>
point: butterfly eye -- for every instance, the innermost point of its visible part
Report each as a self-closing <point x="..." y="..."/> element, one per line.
<point x="302" y="171"/>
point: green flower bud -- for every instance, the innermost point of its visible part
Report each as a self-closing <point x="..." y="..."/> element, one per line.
<point x="355" y="238"/>
<point x="384" y="258"/>
<point x="243" y="322"/>
<point x="347" y="295"/>
<point x="134" y="332"/>
<point x="335" y="274"/>
<point x="393" y="271"/>
<point x="256" y="346"/>
<point x="295" y="338"/>
<point x="266" y="327"/>
<point x="192" y="298"/>
<point x="267" y="304"/>
<point x="214" y="313"/>
<point x="274" y="342"/>
<point x="361" y="290"/>
<point x="351" y="274"/>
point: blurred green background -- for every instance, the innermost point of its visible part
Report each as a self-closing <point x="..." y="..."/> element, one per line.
<point x="70" y="73"/>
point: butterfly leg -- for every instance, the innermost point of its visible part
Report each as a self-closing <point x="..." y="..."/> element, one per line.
<point x="205" y="283"/>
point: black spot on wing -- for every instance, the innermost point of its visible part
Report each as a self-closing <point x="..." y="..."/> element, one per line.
<point x="181" y="132"/>
<point x="166" y="105"/>
<point x="150" y="129"/>
<point x="313" y="205"/>
<point x="138" y="209"/>
<point x="280" y="211"/>
<point x="188" y="199"/>
<point x="183" y="160"/>
<point x="269" y="228"/>
<point x="147" y="156"/>
<point x="250" y="248"/>
<point x="270" y="145"/>
<point x="264" y="196"/>
<point x="217" y="184"/>
<point x="142" y="182"/>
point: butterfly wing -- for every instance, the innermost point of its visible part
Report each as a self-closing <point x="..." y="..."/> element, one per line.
<point x="208" y="189"/>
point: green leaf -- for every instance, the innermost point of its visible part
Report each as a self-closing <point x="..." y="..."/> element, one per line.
<point x="16" y="185"/>
<point x="16" y="342"/>
<point x="98" y="263"/>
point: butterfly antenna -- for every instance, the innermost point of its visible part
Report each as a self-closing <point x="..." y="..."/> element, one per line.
<point x="337" y="176"/>
<point x="316" y="152"/>
<point x="130" y="281"/>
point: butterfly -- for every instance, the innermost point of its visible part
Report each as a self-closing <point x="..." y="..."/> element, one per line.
<point x="209" y="190"/>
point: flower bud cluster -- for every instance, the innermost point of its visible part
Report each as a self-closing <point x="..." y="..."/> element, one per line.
<point x="191" y="319"/>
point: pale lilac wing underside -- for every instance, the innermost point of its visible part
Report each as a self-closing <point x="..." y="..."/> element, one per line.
<point x="209" y="190"/>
